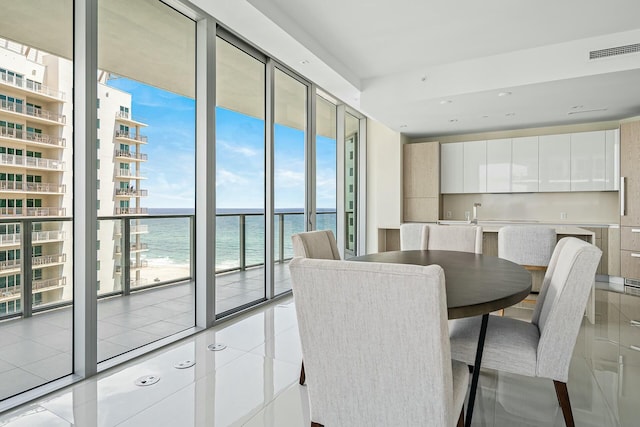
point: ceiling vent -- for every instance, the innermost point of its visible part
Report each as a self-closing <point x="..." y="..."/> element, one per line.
<point x="614" y="51"/>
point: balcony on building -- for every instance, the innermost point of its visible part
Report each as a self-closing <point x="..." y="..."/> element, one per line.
<point x="128" y="174"/>
<point x="131" y="211"/>
<point x="36" y="115"/>
<point x="32" y="187"/>
<point x="31" y="162"/>
<point x="125" y="117"/>
<point x="32" y="138"/>
<point x="22" y="211"/>
<point x="49" y="284"/>
<point x="131" y="156"/>
<point x="15" y="239"/>
<point x="36" y="90"/>
<point x="131" y="137"/>
<point x="130" y="192"/>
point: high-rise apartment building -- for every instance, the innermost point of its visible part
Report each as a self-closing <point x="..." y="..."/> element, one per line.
<point x="36" y="159"/>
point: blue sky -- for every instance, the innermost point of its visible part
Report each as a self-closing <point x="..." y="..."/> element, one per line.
<point x="239" y="155"/>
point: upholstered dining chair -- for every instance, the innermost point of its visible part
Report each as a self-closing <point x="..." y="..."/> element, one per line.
<point x="375" y="344"/>
<point x="319" y="244"/>
<point x="411" y="235"/>
<point x="529" y="246"/>
<point x="461" y="238"/>
<point x="542" y="347"/>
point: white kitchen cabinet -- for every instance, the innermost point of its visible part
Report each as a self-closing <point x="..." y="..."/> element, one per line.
<point x="499" y="166"/>
<point x="475" y="167"/>
<point x="524" y="164"/>
<point x="612" y="160"/>
<point x="588" y="161"/>
<point x="554" y="167"/>
<point x="451" y="168"/>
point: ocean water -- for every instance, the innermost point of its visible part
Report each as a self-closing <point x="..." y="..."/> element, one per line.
<point x="169" y="243"/>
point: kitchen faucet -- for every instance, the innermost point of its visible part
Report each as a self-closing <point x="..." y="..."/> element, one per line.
<point x="475" y="212"/>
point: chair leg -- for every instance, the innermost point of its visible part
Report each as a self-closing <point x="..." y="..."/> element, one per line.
<point x="302" y="375"/>
<point x="563" y="398"/>
<point x="461" y="419"/>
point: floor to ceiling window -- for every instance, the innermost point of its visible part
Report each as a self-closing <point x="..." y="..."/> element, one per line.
<point x="326" y="164"/>
<point x="36" y="170"/>
<point x="240" y="177"/>
<point x="289" y="180"/>
<point x="146" y="180"/>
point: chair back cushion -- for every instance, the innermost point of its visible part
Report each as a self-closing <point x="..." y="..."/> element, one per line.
<point x="461" y="238"/>
<point x="315" y="244"/>
<point x="561" y="304"/>
<point x="526" y="245"/>
<point x="411" y="236"/>
<point x="375" y="343"/>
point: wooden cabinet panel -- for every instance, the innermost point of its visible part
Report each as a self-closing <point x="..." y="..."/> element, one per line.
<point x="555" y="162"/>
<point x="451" y="168"/>
<point x="630" y="264"/>
<point x="630" y="238"/>
<point x="499" y="166"/>
<point x="475" y="167"/>
<point x="630" y="170"/>
<point x="421" y="182"/>
<point x="421" y="169"/>
<point x="524" y="164"/>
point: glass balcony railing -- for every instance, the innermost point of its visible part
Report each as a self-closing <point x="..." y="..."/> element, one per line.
<point x="131" y="135"/>
<point x="32" y="187"/>
<point x="136" y="253"/>
<point x="131" y="155"/>
<point x="31" y="162"/>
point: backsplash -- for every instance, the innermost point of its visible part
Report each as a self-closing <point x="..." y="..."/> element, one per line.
<point x="570" y="208"/>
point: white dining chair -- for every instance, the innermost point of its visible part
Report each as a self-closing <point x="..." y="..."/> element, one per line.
<point x="461" y="238"/>
<point x="411" y="236"/>
<point x="542" y="347"/>
<point x="320" y="244"/>
<point x="375" y="344"/>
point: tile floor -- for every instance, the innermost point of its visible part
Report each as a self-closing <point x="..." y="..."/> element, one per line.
<point x="253" y="382"/>
<point x="37" y="349"/>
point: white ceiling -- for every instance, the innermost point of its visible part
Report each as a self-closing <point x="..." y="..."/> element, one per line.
<point x="398" y="60"/>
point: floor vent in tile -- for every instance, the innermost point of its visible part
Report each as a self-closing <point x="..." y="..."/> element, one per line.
<point x="216" y="347"/>
<point x="184" y="364"/>
<point x="147" y="380"/>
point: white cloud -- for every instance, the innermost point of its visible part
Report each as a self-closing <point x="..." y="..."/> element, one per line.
<point x="225" y="177"/>
<point x="236" y="148"/>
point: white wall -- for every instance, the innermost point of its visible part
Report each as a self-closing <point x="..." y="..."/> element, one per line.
<point x="384" y="180"/>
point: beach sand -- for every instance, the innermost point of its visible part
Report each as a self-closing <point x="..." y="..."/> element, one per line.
<point x="163" y="273"/>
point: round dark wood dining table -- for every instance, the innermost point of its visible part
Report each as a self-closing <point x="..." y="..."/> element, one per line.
<point x="475" y="285"/>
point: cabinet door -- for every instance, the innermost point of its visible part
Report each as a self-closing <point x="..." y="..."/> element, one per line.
<point x="612" y="160"/>
<point x="499" y="166"/>
<point x="475" y="167"/>
<point x="555" y="162"/>
<point x="421" y="171"/>
<point x="524" y="164"/>
<point x="451" y="164"/>
<point x="588" y="161"/>
<point x="629" y="169"/>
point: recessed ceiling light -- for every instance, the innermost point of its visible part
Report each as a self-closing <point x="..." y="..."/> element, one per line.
<point x="403" y="126"/>
<point x="510" y="114"/>
<point x="446" y="101"/>
<point x="423" y="78"/>
<point x="484" y="117"/>
<point x="577" y="107"/>
<point x="453" y="120"/>
<point x="304" y="61"/>
<point x="504" y="94"/>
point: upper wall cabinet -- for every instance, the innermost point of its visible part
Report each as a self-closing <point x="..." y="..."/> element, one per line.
<point x="499" y="166"/>
<point x="612" y="160"/>
<point x="475" y="167"/>
<point x="524" y="164"/>
<point x="554" y="167"/>
<point x="588" y="161"/>
<point x="585" y="161"/>
<point x="451" y="168"/>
